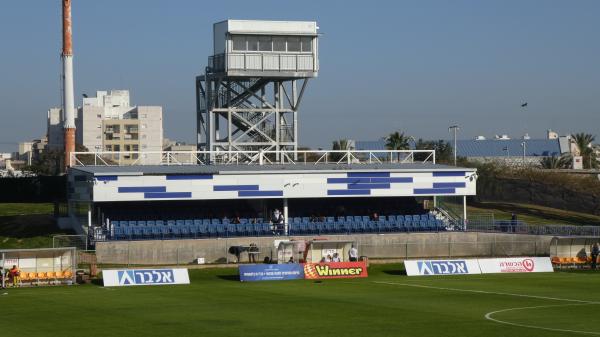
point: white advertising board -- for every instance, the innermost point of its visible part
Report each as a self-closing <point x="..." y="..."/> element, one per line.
<point x="138" y="277"/>
<point x="441" y="267"/>
<point x="516" y="265"/>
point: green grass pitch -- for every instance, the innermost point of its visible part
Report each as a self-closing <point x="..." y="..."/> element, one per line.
<point x="386" y="303"/>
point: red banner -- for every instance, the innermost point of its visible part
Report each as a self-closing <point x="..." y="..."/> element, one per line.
<point x="313" y="271"/>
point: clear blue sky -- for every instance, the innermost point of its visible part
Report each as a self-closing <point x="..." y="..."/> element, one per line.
<point x="416" y="66"/>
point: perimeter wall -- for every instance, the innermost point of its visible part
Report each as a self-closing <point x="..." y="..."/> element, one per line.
<point x="375" y="246"/>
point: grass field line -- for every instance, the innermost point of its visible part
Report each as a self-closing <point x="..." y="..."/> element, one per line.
<point x="488" y="316"/>
<point x="488" y="292"/>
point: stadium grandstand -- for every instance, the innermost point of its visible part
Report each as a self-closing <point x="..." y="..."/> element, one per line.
<point x="357" y="193"/>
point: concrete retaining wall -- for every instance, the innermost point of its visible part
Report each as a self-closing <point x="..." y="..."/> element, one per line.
<point x="375" y="246"/>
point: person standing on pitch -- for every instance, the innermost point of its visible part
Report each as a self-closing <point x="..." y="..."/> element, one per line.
<point x="595" y="251"/>
<point x="353" y="254"/>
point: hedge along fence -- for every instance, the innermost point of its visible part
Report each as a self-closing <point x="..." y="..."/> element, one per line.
<point x="33" y="189"/>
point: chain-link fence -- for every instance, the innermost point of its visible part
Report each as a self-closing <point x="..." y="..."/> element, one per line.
<point x="78" y="241"/>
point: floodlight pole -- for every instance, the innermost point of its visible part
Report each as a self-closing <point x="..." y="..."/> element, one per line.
<point x="455" y="128"/>
<point x="524" y="145"/>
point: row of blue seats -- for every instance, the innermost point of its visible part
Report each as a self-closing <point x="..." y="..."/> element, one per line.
<point x="189" y="222"/>
<point x="366" y="226"/>
<point x="147" y="232"/>
<point x="264" y="229"/>
<point x="297" y="220"/>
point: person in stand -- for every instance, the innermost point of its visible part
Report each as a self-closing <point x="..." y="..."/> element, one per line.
<point x="375" y="217"/>
<point x="595" y="251"/>
<point x="328" y="258"/>
<point x="277" y="221"/>
<point x="291" y="260"/>
<point x="353" y="254"/>
<point x="236" y="220"/>
<point x="336" y="258"/>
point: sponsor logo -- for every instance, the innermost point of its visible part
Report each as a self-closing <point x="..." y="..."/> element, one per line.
<point x="525" y="265"/>
<point x="145" y="276"/>
<point x="335" y="270"/>
<point x="442" y="267"/>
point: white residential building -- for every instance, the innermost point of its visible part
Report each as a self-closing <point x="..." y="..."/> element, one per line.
<point x="108" y="122"/>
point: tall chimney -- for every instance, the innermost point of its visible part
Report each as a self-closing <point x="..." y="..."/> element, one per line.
<point x="68" y="98"/>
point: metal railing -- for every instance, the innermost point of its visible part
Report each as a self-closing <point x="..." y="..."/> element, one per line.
<point x="304" y="157"/>
<point x="263" y="61"/>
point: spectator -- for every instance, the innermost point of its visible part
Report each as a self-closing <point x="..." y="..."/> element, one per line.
<point x="375" y="217"/>
<point x="236" y="220"/>
<point x="322" y="260"/>
<point x="328" y="258"/>
<point x="595" y="251"/>
<point x="336" y="258"/>
<point x="277" y="221"/>
<point x="353" y="254"/>
<point x="291" y="260"/>
<point x="2" y="279"/>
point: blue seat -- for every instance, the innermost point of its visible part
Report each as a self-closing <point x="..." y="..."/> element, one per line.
<point x="305" y="219"/>
<point x="175" y="231"/>
<point x="138" y="232"/>
<point x="186" y="231"/>
<point x="297" y="220"/>
<point x="349" y="218"/>
<point x="147" y="231"/>
<point x="206" y="221"/>
<point x="243" y="220"/>
<point x="141" y="223"/>
<point x="408" y="225"/>
<point x="365" y="218"/>
<point x="212" y="230"/>
<point x="313" y="228"/>
<point x="400" y="219"/>
<point x="203" y="230"/>
<point x="150" y="223"/>
<point x="383" y="218"/>
<point x="240" y="229"/>
<point x="197" y="222"/>
<point x="171" y="223"/>
<point x="159" y="223"/>
<point x="328" y="227"/>
<point x="180" y="223"/>
<point x="156" y="231"/>
<point x="215" y="221"/>
<point x="341" y="219"/>
<point x="330" y="219"/>
<point x="249" y="229"/>
<point x="220" y="230"/>
<point x="189" y="222"/>
<point x="132" y="223"/>
<point x="230" y="229"/>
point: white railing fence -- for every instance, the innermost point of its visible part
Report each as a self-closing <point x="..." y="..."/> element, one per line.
<point x="302" y="157"/>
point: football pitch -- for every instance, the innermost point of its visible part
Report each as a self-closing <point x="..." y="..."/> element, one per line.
<point x="386" y="303"/>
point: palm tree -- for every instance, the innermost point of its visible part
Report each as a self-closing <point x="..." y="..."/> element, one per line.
<point x="556" y="162"/>
<point x="397" y="141"/>
<point x="584" y="145"/>
<point x="342" y="144"/>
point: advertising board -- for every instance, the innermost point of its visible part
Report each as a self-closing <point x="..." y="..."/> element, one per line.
<point x="441" y="267"/>
<point x="328" y="270"/>
<point x="139" y="277"/>
<point x="271" y="272"/>
<point x="516" y="265"/>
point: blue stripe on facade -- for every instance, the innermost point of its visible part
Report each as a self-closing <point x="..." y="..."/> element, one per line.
<point x="368" y="174"/>
<point x="448" y="185"/>
<point x="348" y="192"/>
<point x="348" y="180"/>
<point x="260" y="193"/>
<point x="392" y="180"/>
<point x="107" y="178"/>
<point x="449" y="174"/>
<point x="367" y="186"/>
<point x="434" y="191"/>
<point x="167" y="195"/>
<point x="190" y="177"/>
<point x="141" y="189"/>
<point x="222" y="188"/>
